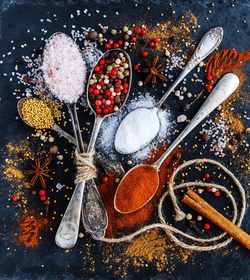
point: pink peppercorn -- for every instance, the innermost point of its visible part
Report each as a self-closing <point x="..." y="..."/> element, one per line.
<point x="102" y="61"/>
<point x="207" y="226"/>
<point x="125" y="85"/>
<point x="96" y="91"/>
<point x="98" y="103"/>
<point x="209" y="87"/>
<point x="217" y="193"/>
<point x="98" y="110"/>
<point x="157" y="40"/>
<point x="209" y="77"/>
<point x="133" y="39"/>
<point x="15" y="198"/>
<point x="107" y="46"/>
<point x="206" y="176"/>
<point x="138" y="30"/>
<point x="119" y="42"/>
<point x="151" y="44"/>
<point x="143" y="31"/>
<point x="42" y="192"/>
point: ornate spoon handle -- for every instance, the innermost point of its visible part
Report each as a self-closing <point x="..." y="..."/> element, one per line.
<point x="209" y="42"/>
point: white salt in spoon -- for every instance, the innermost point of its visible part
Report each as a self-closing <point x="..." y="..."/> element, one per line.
<point x="141" y="125"/>
<point x="65" y="73"/>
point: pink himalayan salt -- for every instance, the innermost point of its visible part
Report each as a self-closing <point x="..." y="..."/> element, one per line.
<point x="63" y="68"/>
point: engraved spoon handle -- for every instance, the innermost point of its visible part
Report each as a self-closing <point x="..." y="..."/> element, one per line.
<point x="225" y="87"/>
<point x="209" y="42"/>
<point x="94" y="214"/>
<point x="64" y="134"/>
<point x="67" y="233"/>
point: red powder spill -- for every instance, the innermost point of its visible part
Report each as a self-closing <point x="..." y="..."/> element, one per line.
<point x="30" y="228"/>
<point x="225" y="61"/>
<point x="127" y="223"/>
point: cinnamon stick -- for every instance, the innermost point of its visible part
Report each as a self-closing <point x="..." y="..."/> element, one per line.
<point x="194" y="201"/>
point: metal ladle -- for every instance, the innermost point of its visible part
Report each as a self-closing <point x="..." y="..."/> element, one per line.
<point x="54" y="127"/>
<point x="210" y="41"/>
<point x="225" y="87"/>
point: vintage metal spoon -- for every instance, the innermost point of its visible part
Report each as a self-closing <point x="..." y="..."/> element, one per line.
<point x="98" y="121"/>
<point x="54" y="127"/>
<point x="67" y="232"/>
<point x="210" y="41"/>
<point x="225" y="87"/>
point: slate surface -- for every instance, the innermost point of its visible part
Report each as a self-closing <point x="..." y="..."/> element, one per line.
<point x="16" y="16"/>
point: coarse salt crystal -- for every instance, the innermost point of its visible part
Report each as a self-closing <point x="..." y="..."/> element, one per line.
<point x="64" y="69"/>
<point x="134" y="132"/>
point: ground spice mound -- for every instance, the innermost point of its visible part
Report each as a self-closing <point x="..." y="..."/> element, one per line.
<point x="151" y="250"/>
<point x="127" y="223"/>
<point x="225" y="61"/>
<point x="29" y="231"/>
<point x="154" y="246"/>
<point x="136" y="189"/>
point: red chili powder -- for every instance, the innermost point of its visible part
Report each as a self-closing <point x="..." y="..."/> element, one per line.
<point x="225" y="61"/>
<point x="127" y="223"/>
<point x="30" y="228"/>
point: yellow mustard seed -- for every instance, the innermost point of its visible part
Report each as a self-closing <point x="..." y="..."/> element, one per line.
<point x="37" y="114"/>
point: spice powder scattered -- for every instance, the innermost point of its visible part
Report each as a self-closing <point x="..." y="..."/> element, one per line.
<point x="225" y="61"/>
<point x="30" y="228"/>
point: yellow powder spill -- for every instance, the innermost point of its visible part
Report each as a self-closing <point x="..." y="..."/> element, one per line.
<point x="154" y="246"/>
<point x="152" y="249"/>
<point x="16" y="156"/>
<point x="180" y="31"/>
<point x="12" y="173"/>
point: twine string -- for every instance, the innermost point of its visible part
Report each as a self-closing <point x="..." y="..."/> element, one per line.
<point x="179" y="237"/>
<point x="85" y="167"/>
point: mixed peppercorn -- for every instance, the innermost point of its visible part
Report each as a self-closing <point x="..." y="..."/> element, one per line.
<point x="109" y="83"/>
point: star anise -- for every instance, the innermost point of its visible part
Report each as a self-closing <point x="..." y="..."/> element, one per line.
<point x="39" y="171"/>
<point x="154" y="71"/>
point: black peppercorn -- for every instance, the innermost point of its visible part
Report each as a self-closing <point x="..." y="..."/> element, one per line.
<point x="205" y="136"/>
<point x="126" y="37"/>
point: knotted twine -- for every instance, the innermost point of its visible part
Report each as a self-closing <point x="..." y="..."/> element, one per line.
<point x="85" y="167"/>
<point x="199" y="244"/>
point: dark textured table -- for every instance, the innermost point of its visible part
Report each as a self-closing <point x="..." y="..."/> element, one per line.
<point x="48" y="261"/>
